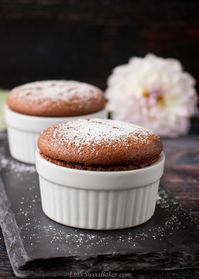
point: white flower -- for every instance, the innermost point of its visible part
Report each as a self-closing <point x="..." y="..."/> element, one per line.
<point x="153" y="92"/>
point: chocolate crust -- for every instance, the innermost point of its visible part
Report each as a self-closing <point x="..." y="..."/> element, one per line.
<point x="56" y="99"/>
<point x="101" y="143"/>
<point x="97" y="167"/>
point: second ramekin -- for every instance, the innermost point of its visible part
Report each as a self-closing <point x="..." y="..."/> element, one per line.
<point x="98" y="200"/>
<point x="23" y="131"/>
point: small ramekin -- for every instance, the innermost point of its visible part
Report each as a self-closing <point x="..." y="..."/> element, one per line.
<point x="23" y="131"/>
<point x="98" y="200"/>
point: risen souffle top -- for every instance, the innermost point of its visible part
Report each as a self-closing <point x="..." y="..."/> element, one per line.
<point x="56" y="98"/>
<point x="99" y="144"/>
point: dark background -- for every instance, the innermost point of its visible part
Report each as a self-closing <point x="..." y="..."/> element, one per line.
<point x="85" y="39"/>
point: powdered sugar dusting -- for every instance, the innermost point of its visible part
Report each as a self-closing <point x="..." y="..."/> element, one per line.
<point x="13" y="166"/>
<point x="56" y="90"/>
<point x="96" y="131"/>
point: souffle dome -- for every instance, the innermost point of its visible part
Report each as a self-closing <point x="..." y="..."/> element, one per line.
<point x="56" y="98"/>
<point x="99" y="145"/>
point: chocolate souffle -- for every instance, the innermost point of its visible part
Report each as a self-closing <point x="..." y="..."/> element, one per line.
<point x="99" y="145"/>
<point x="56" y="98"/>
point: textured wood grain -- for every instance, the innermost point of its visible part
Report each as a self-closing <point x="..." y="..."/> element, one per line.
<point x="181" y="178"/>
<point x="182" y="171"/>
<point x="85" y="39"/>
<point x="6" y="270"/>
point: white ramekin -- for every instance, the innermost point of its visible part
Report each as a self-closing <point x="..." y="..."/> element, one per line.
<point x="98" y="200"/>
<point x="23" y="131"/>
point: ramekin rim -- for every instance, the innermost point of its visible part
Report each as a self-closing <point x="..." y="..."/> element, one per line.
<point x="41" y="118"/>
<point x="160" y="161"/>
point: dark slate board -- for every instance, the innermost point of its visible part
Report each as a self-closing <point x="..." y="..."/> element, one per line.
<point x="37" y="246"/>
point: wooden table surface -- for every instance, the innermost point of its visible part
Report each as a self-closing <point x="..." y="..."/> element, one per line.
<point x="181" y="178"/>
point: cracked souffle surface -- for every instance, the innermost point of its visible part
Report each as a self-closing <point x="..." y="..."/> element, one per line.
<point x="99" y="144"/>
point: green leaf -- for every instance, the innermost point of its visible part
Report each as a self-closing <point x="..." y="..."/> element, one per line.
<point x="3" y="96"/>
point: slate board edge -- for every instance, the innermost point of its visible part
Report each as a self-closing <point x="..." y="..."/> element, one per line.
<point x="22" y="259"/>
<point x="11" y="228"/>
<point x="6" y="212"/>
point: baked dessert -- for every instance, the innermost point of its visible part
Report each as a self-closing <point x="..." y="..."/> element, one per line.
<point x="99" y="145"/>
<point x="99" y="174"/>
<point x="35" y="106"/>
<point x="56" y="98"/>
